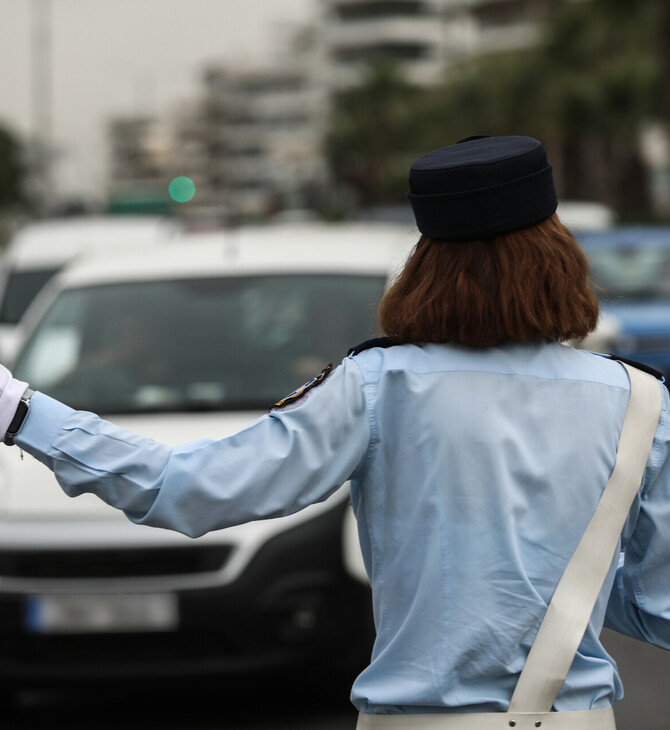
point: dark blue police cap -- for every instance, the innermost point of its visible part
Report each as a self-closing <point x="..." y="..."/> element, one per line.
<point x="481" y="187"/>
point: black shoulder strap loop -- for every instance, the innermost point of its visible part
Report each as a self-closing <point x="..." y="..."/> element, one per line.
<point x="639" y="365"/>
<point x="374" y="342"/>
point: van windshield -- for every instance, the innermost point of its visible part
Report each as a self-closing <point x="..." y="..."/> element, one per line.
<point x="229" y="343"/>
<point x="22" y="287"/>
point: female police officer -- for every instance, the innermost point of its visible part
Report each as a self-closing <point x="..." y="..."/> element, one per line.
<point x="477" y="446"/>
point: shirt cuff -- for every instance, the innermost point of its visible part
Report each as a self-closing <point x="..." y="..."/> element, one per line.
<point x="44" y="420"/>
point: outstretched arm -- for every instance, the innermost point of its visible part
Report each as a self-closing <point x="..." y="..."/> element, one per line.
<point x="282" y="462"/>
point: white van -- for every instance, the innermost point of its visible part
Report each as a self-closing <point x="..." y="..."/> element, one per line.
<point x="40" y="249"/>
<point x="189" y="340"/>
<point x="585" y="215"/>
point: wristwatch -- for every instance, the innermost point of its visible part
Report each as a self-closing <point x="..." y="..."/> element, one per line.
<point x="19" y="417"/>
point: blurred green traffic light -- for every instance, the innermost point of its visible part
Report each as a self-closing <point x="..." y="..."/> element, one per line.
<point x="181" y="189"/>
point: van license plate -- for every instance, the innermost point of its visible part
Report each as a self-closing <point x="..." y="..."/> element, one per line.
<point x="100" y="613"/>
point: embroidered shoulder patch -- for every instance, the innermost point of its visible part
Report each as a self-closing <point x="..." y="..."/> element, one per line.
<point x="303" y="389"/>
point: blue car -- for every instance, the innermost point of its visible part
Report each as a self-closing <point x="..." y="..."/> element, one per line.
<point x="631" y="268"/>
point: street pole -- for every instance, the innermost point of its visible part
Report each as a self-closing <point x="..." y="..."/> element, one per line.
<point x="42" y="103"/>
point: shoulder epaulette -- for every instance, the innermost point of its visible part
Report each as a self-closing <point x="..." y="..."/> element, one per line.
<point x="639" y="365"/>
<point x="374" y="342"/>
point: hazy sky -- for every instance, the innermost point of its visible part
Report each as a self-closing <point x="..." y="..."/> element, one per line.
<point x="118" y="57"/>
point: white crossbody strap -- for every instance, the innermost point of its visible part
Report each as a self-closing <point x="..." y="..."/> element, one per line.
<point x="571" y="606"/>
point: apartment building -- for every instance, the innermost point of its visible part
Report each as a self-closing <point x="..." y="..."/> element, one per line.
<point x="408" y="32"/>
<point x="424" y="36"/>
<point x="263" y="131"/>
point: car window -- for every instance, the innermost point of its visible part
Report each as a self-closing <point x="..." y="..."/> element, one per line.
<point x="222" y="343"/>
<point x="21" y="288"/>
<point x="635" y="272"/>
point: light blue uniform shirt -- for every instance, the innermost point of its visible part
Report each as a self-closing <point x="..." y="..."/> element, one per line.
<point x="473" y="476"/>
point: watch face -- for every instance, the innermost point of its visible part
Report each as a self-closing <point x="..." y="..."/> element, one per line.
<point x="17" y="421"/>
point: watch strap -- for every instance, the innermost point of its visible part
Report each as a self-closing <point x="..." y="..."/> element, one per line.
<point x="19" y="417"/>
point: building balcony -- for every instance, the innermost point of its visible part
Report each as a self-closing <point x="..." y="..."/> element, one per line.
<point x="508" y="38"/>
<point x="420" y="31"/>
<point x="356" y="10"/>
<point x="421" y="72"/>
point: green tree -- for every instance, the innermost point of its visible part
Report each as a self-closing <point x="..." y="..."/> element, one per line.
<point x="370" y="138"/>
<point x="599" y="74"/>
<point x="586" y="90"/>
<point x="11" y="170"/>
<point x="603" y="69"/>
<point x="495" y="95"/>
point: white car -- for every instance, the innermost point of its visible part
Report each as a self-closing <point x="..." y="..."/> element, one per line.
<point x="178" y="342"/>
<point x="38" y="250"/>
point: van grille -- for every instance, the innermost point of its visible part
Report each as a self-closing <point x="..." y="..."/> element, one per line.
<point x="111" y="563"/>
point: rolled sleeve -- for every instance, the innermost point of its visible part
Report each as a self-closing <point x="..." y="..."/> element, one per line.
<point x="41" y="426"/>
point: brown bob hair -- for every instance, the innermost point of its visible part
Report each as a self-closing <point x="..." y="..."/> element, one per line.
<point x="526" y="286"/>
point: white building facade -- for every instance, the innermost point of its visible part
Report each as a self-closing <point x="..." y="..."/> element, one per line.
<point x="425" y="37"/>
